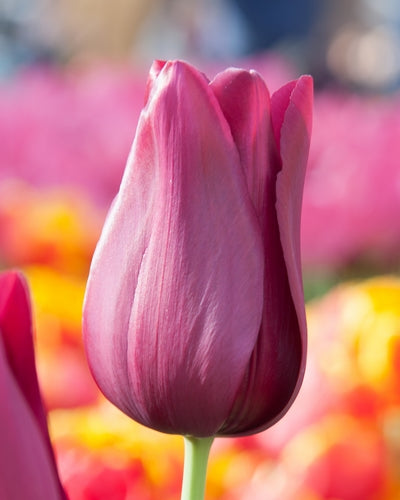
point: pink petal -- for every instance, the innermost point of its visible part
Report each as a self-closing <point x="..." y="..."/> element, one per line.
<point x="274" y="367"/>
<point x="174" y="297"/>
<point x="281" y="99"/>
<point x="16" y="331"/>
<point x="26" y="470"/>
<point x="295" y="134"/>
<point x="245" y="102"/>
<point x="281" y="347"/>
<point x="155" y="70"/>
<point x="283" y="334"/>
<point x="25" y="443"/>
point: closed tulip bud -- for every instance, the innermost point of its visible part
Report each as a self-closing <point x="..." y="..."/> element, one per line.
<point x="194" y="318"/>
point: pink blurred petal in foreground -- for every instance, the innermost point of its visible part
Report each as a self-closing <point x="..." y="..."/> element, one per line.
<point x="27" y="465"/>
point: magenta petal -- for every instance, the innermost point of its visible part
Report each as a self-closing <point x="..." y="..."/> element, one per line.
<point x="16" y="331"/>
<point x="155" y="69"/>
<point x="174" y="298"/>
<point x="245" y="102"/>
<point x="276" y="367"/>
<point x="26" y="470"/>
<point x="27" y="466"/>
<point x="280" y="102"/>
<point x="295" y="135"/>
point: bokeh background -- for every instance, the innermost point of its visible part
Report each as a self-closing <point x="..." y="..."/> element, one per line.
<point x="72" y="76"/>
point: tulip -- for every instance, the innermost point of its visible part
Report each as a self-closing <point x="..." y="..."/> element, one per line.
<point x="27" y="465"/>
<point x="194" y="318"/>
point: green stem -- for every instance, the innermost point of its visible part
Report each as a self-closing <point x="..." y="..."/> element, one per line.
<point x="195" y="467"/>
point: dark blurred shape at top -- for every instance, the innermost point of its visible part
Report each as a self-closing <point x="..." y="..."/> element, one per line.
<point x="348" y="43"/>
<point x="272" y="21"/>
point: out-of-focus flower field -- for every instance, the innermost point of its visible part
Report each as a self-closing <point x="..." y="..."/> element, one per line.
<point x="65" y="136"/>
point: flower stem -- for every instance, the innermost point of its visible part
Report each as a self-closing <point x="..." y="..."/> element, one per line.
<point x="195" y="467"/>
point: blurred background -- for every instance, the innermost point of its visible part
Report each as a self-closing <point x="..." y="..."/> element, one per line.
<point x="72" y="77"/>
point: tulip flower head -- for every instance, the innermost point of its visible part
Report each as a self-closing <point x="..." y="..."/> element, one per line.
<point x="194" y="317"/>
<point x="27" y="465"/>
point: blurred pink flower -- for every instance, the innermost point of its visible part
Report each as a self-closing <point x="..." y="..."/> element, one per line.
<point x="69" y="129"/>
<point x="352" y="188"/>
<point x="27" y="465"/>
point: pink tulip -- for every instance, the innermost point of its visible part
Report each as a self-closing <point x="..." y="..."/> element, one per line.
<point x="27" y="466"/>
<point x="194" y="317"/>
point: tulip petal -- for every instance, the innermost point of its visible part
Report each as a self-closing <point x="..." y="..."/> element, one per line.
<point x="16" y="329"/>
<point x="26" y="469"/>
<point x="245" y="102"/>
<point x="155" y="70"/>
<point x="275" y="370"/>
<point x="174" y="297"/>
<point x="295" y="134"/>
<point x="27" y="462"/>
